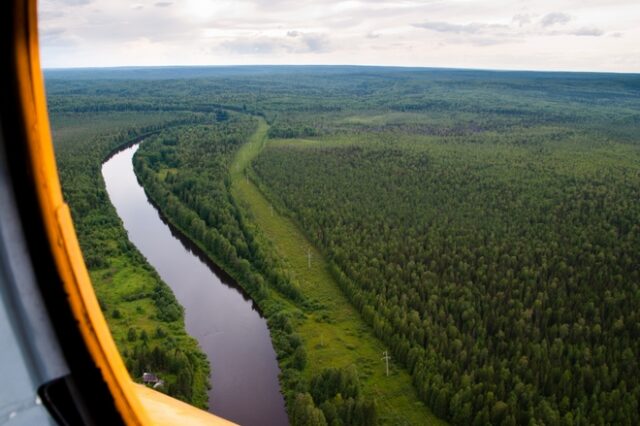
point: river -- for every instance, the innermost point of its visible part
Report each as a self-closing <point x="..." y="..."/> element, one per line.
<point x="230" y="330"/>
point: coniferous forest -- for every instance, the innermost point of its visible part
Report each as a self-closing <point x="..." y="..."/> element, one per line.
<point x="485" y="226"/>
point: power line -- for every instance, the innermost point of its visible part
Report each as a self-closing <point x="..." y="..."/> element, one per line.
<point x="386" y="358"/>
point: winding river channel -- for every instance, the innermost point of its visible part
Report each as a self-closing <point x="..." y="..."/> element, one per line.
<point x="225" y="322"/>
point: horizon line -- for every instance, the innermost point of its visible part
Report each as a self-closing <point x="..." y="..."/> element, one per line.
<point x="123" y="67"/>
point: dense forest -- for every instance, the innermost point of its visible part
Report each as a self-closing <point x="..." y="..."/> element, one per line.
<point x="507" y="283"/>
<point x="498" y="259"/>
<point x="484" y="224"/>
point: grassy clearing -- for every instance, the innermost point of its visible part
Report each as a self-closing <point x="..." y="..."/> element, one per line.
<point x="334" y="334"/>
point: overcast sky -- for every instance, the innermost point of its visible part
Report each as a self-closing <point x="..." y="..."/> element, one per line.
<point x="584" y="35"/>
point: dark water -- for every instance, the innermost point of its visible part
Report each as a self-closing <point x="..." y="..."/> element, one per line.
<point x="230" y="330"/>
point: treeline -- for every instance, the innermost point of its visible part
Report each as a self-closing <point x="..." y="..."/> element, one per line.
<point x="179" y="368"/>
<point x="503" y="275"/>
<point x="135" y="301"/>
<point x="337" y="394"/>
<point x="304" y="102"/>
<point x="194" y="194"/>
<point x="185" y="171"/>
<point x="287" y="131"/>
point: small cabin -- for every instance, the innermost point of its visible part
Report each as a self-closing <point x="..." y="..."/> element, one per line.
<point x="149" y="378"/>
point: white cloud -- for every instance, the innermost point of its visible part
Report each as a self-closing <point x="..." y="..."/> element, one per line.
<point x="588" y="31"/>
<point x="472" y="28"/>
<point x="555" y="18"/>
<point x="293" y="42"/>
<point x="522" y="19"/>
<point x="71" y="2"/>
<point x="546" y="34"/>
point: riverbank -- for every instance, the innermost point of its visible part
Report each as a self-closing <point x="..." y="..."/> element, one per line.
<point x="139" y="307"/>
<point x="334" y="335"/>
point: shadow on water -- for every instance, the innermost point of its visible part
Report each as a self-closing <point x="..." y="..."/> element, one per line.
<point x="197" y="251"/>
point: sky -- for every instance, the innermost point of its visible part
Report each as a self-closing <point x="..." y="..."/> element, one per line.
<point x="571" y="35"/>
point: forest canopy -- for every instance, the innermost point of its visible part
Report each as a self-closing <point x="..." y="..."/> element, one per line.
<point x="485" y="225"/>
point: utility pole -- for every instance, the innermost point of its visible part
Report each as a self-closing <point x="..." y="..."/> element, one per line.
<point x="386" y="358"/>
<point x="271" y="208"/>
<point x="309" y="258"/>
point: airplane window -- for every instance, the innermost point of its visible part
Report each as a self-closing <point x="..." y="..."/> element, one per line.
<point x="359" y="212"/>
